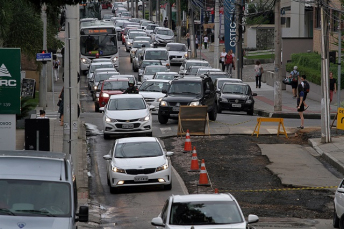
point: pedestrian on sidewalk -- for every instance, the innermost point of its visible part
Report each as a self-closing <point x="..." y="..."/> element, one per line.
<point x="222" y="58"/>
<point x="188" y="40"/>
<point x="56" y="66"/>
<point x="294" y="75"/>
<point x="205" y="41"/>
<point x="259" y="72"/>
<point x="300" y="105"/>
<point x="333" y="86"/>
<point x="303" y="83"/>
<point x="60" y="105"/>
<point x="42" y="114"/>
<point x="229" y="59"/>
<point x="196" y="43"/>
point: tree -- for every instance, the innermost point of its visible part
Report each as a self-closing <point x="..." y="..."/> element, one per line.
<point x="259" y="13"/>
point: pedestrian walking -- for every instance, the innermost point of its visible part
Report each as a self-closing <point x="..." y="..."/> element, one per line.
<point x="56" y="66"/>
<point x="259" y="72"/>
<point x="294" y="75"/>
<point x="333" y="86"/>
<point x="205" y="41"/>
<point x="229" y="60"/>
<point x="60" y="105"/>
<point x="300" y="105"/>
<point x="188" y="40"/>
<point x="166" y="22"/>
<point x="304" y="83"/>
<point x="196" y="42"/>
<point x="222" y="58"/>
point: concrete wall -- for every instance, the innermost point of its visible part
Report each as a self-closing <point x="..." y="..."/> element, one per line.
<point x="250" y="38"/>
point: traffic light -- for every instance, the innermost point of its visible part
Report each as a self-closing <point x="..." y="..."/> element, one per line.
<point x="43" y="51"/>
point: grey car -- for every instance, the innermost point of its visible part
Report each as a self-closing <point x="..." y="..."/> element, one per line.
<point x="188" y="63"/>
<point x="144" y="64"/>
<point x="149" y="71"/>
<point x="130" y="37"/>
<point x="177" y="52"/>
<point x="137" y="45"/>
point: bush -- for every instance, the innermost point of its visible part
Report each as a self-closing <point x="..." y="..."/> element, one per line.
<point x="309" y="64"/>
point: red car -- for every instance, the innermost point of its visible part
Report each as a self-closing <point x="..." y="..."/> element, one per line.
<point x="106" y="5"/>
<point x="115" y="86"/>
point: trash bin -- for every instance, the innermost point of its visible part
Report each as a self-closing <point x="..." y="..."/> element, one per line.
<point x="37" y="134"/>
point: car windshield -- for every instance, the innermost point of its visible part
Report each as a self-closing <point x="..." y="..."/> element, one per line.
<point x="141" y="38"/>
<point x="154" y="86"/>
<point x="126" y="104"/>
<point x="147" y="63"/>
<point x="235" y="89"/>
<point x="221" y="82"/>
<point x="178" y="48"/>
<point x="189" y="64"/>
<point x="202" y="71"/>
<point x="103" y="76"/>
<point x="165" y="32"/>
<point x="180" y="87"/>
<point x="145" y="23"/>
<point x="38" y="198"/>
<point x="94" y="67"/>
<point x="120" y="23"/>
<point x="135" y="34"/>
<point x="102" y="44"/>
<point x="138" y="149"/>
<point x="156" y="55"/>
<point x="216" y="76"/>
<point x="115" y="85"/>
<point x="192" y="70"/>
<point x="165" y="76"/>
<point x="107" y="16"/>
<point x="139" y="44"/>
<point x="205" y="213"/>
<point x="126" y="14"/>
<point x="153" y="70"/>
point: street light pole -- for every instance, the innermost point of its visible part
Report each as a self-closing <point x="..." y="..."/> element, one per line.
<point x="216" y="35"/>
<point x="43" y="76"/>
<point x="277" y="71"/>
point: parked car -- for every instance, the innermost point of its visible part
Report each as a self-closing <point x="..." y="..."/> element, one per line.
<point x="138" y="161"/>
<point x="192" y="91"/>
<point x="112" y="86"/>
<point x="149" y="71"/>
<point x="203" y="211"/>
<point x="166" y="75"/>
<point x="236" y="97"/>
<point x="138" y="44"/>
<point x="127" y="114"/>
<point x="191" y="62"/>
<point x="177" y="52"/>
<point x="151" y="90"/>
<point x="162" y="36"/>
<point x="144" y="64"/>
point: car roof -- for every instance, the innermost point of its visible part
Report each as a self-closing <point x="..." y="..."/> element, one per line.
<point x="175" y="43"/>
<point x="202" y="197"/>
<point x="137" y="139"/>
<point x="105" y="70"/>
<point x="116" y="79"/>
<point x="234" y="83"/>
<point x="156" y="66"/>
<point x="200" y="61"/>
<point x="158" y="61"/>
<point x="167" y="73"/>
<point x="101" y="60"/>
<point x="124" y="96"/>
<point x="100" y="63"/>
<point x="155" y="49"/>
<point x="229" y="79"/>
<point x="158" y="80"/>
<point x="163" y="28"/>
<point x="192" y="78"/>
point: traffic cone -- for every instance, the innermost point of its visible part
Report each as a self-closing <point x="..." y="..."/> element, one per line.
<point x="216" y="190"/>
<point x="194" y="161"/>
<point x="187" y="145"/>
<point x="203" y="176"/>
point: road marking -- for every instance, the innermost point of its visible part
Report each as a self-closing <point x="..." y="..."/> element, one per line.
<point x="164" y="130"/>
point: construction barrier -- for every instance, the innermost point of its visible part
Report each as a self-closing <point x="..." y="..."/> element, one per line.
<point x="193" y="118"/>
<point x="280" y="123"/>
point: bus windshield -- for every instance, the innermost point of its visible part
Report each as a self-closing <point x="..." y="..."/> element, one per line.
<point x="104" y="44"/>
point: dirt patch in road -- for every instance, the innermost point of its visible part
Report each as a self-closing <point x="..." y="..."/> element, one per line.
<point x="235" y="164"/>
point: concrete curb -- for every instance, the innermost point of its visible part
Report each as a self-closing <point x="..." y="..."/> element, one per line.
<point x="288" y="115"/>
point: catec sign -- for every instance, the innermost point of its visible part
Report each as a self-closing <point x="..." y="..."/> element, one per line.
<point x="10" y="81"/>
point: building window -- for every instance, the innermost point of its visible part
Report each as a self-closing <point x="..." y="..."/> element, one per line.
<point x="287" y="22"/>
<point x="334" y="21"/>
<point x="317" y="18"/>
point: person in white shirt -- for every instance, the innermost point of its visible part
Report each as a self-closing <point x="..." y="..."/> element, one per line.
<point x="42" y="114"/>
<point x="222" y="58"/>
<point x="56" y="66"/>
<point x="205" y="41"/>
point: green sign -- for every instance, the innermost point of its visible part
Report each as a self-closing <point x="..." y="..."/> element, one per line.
<point x="10" y="81"/>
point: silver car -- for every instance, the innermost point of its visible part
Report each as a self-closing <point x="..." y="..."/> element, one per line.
<point x="188" y="63"/>
<point x="130" y="37"/>
<point x="149" y="71"/>
<point x="163" y="36"/>
<point x="137" y="45"/>
<point x="177" y="52"/>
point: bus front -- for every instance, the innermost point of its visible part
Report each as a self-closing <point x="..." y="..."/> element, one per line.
<point x="98" y="42"/>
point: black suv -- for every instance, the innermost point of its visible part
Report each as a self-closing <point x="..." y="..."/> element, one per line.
<point x="191" y="91"/>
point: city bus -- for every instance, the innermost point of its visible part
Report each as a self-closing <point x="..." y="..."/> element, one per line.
<point x="98" y="39"/>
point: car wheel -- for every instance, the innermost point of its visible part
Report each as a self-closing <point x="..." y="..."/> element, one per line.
<point x="250" y="112"/>
<point x="213" y="113"/>
<point x="113" y="190"/>
<point x="96" y="107"/>
<point x="106" y="136"/>
<point x="163" y="119"/>
<point x="131" y="61"/>
<point x="168" y="186"/>
<point x="335" y="219"/>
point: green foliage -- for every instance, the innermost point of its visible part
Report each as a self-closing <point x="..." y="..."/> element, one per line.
<point x="27" y="105"/>
<point x="309" y="64"/>
<point x="266" y="56"/>
<point x="259" y="13"/>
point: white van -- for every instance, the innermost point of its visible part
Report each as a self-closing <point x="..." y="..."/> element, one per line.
<point x="38" y="190"/>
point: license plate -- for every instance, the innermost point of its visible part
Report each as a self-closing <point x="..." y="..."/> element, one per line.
<point x="236" y="105"/>
<point x="128" y="126"/>
<point x="175" y="108"/>
<point x="140" y="178"/>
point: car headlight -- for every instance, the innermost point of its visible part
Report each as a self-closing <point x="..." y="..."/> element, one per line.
<point x="163" y="167"/>
<point x="85" y="61"/>
<point x="163" y="103"/>
<point x="194" y="103"/>
<point x="144" y="119"/>
<point x="105" y="95"/>
<point x="114" y="59"/>
<point x="186" y="55"/>
<point x="159" y="99"/>
<point x="117" y="170"/>
<point x="95" y="87"/>
<point x="249" y="101"/>
<point x="128" y="42"/>
<point x="107" y="119"/>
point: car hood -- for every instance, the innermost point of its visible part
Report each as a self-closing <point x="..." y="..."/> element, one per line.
<point x="151" y="94"/>
<point x="217" y="226"/>
<point x="164" y="37"/>
<point x="34" y="222"/>
<point x="140" y="163"/>
<point x="127" y="114"/>
<point x="176" y="53"/>
<point x="234" y="96"/>
<point x="182" y="98"/>
<point x="115" y="92"/>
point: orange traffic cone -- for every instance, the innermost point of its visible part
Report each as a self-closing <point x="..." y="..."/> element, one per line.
<point x="216" y="190"/>
<point x="194" y="161"/>
<point x="187" y="145"/>
<point x="203" y="176"/>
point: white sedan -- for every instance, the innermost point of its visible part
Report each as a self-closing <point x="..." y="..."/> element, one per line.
<point x="338" y="215"/>
<point x="127" y="114"/>
<point x="138" y="161"/>
<point x="151" y="90"/>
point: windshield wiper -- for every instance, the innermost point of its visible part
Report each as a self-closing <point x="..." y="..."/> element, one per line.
<point x="38" y="211"/>
<point x="7" y="211"/>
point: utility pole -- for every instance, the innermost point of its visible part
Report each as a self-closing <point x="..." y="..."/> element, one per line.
<point x="239" y="63"/>
<point x="158" y="12"/>
<point x="150" y="11"/>
<point x="325" y="105"/>
<point x="43" y="76"/>
<point x="192" y="32"/>
<point x="168" y="11"/>
<point x="132" y="8"/>
<point x="143" y="10"/>
<point x="137" y="8"/>
<point x="70" y="84"/>
<point x="277" y="70"/>
<point x="339" y="60"/>
<point x="216" y="34"/>
<point x="179" y="23"/>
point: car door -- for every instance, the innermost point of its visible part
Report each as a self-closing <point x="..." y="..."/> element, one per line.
<point x="339" y="198"/>
<point x="108" y="162"/>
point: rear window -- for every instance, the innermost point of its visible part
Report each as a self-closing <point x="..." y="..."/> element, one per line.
<point x="182" y="87"/>
<point x="156" y="55"/>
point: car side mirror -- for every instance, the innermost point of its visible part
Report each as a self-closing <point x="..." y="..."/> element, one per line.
<point x="157" y="221"/>
<point x="101" y="109"/>
<point x="141" y="57"/>
<point x="169" y="154"/>
<point x="83" y="214"/>
<point x="164" y="91"/>
<point x="218" y="91"/>
<point x="107" y="157"/>
<point x="254" y="94"/>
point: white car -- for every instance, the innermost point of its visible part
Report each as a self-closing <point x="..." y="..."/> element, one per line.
<point x="138" y="161"/>
<point x="151" y="90"/>
<point x="220" y="81"/>
<point x="202" y="211"/>
<point x="177" y="52"/>
<point x="97" y="65"/>
<point x="149" y="71"/>
<point x="202" y="71"/>
<point x="338" y="214"/>
<point x="127" y="114"/>
<point x="162" y="36"/>
<point x="150" y="28"/>
<point x="130" y="37"/>
<point x="137" y="44"/>
<point x="192" y="62"/>
<point x="166" y="75"/>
